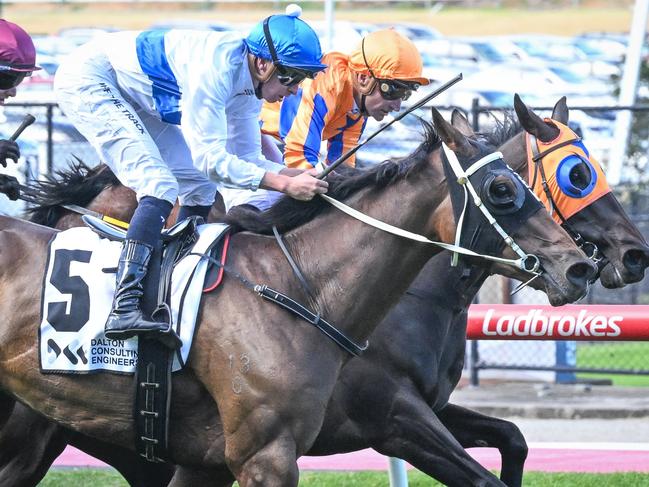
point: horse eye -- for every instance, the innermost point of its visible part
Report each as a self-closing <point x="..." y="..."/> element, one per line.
<point x="580" y="175"/>
<point x="502" y="188"/>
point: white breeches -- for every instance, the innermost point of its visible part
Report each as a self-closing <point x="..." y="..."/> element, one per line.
<point x="147" y="155"/>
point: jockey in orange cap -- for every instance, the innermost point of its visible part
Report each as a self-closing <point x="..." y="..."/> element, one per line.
<point x="372" y="81"/>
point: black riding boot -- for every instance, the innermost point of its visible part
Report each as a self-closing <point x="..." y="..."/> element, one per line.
<point x="126" y="319"/>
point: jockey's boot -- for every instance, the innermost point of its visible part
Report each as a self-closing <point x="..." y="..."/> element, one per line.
<point x="126" y="319"/>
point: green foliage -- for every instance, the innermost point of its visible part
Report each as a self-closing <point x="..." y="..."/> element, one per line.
<point x="109" y="478"/>
<point x="82" y="477"/>
<point x="615" y="355"/>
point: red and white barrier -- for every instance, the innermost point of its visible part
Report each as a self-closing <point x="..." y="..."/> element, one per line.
<point x="572" y="322"/>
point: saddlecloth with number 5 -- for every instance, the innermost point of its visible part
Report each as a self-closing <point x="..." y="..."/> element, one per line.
<point x="78" y="289"/>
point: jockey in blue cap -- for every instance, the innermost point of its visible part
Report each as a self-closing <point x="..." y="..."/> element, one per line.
<point x="174" y="112"/>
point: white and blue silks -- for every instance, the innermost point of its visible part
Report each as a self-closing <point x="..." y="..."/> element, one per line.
<point x="171" y="112"/>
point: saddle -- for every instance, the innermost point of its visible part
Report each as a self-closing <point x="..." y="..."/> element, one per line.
<point x="112" y="232"/>
<point x="155" y="356"/>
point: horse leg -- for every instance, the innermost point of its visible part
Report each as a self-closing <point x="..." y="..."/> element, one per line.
<point x="273" y="465"/>
<point x="473" y="429"/>
<point x="189" y="477"/>
<point x="135" y="469"/>
<point x="7" y="404"/>
<point x="29" y="444"/>
<point x="414" y="433"/>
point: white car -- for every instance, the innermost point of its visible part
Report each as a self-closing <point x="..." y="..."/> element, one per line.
<point x="556" y="49"/>
<point x="417" y="33"/>
<point x="345" y="36"/>
<point x="525" y="78"/>
<point x="192" y="25"/>
<point x="81" y="35"/>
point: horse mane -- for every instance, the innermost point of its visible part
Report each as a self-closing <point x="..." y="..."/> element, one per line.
<point x="78" y="184"/>
<point x="289" y="213"/>
<point x="503" y="129"/>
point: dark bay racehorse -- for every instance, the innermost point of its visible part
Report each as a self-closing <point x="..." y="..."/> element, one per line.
<point x="444" y="349"/>
<point x="271" y="375"/>
<point x="419" y="352"/>
<point x="127" y="467"/>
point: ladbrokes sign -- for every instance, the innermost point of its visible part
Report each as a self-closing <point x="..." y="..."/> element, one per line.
<point x="524" y="322"/>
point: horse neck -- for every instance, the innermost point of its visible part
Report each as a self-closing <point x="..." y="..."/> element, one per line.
<point x="362" y="271"/>
<point x="515" y="153"/>
<point x="454" y="287"/>
<point x="117" y="202"/>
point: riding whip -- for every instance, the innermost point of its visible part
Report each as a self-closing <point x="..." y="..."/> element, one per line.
<point x="414" y="107"/>
<point x="8" y="184"/>
<point x="27" y="121"/>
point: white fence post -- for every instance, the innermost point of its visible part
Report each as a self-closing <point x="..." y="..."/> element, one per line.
<point x="398" y="475"/>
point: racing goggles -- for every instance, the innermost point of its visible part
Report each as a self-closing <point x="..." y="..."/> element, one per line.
<point x="11" y="79"/>
<point x="292" y="76"/>
<point x="392" y="89"/>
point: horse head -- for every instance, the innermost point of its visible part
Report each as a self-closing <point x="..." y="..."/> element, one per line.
<point x="573" y="187"/>
<point x="509" y="218"/>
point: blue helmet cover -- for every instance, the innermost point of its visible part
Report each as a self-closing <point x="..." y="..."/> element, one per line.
<point x="296" y="44"/>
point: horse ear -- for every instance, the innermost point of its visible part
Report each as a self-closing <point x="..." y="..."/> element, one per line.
<point x="560" y="111"/>
<point x="459" y="121"/>
<point x="532" y="123"/>
<point x="451" y="136"/>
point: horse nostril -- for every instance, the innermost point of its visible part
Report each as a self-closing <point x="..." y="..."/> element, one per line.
<point x="579" y="274"/>
<point x="636" y="259"/>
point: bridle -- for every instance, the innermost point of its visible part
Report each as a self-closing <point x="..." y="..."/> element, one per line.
<point x="526" y="262"/>
<point x="589" y="248"/>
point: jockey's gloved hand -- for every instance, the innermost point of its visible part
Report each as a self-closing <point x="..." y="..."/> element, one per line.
<point x="10" y="186"/>
<point x="8" y="150"/>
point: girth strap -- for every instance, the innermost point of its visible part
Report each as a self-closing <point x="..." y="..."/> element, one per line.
<point x="290" y="305"/>
<point x="293" y="264"/>
<point x="321" y="324"/>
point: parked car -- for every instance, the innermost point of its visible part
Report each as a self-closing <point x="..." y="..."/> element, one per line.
<point x="417" y="33"/>
<point x="81" y="35"/>
<point x="345" y="36"/>
<point x="551" y="81"/>
<point x="556" y="49"/>
<point x="37" y="88"/>
<point x="480" y="51"/>
<point x="603" y="46"/>
<point x="364" y="28"/>
<point x="192" y="25"/>
<point x="54" y="46"/>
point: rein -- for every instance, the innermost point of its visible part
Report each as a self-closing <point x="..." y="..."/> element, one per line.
<point x="537" y="159"/>
<point x="527" y="262"/>
<point x="520" y="263"/>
